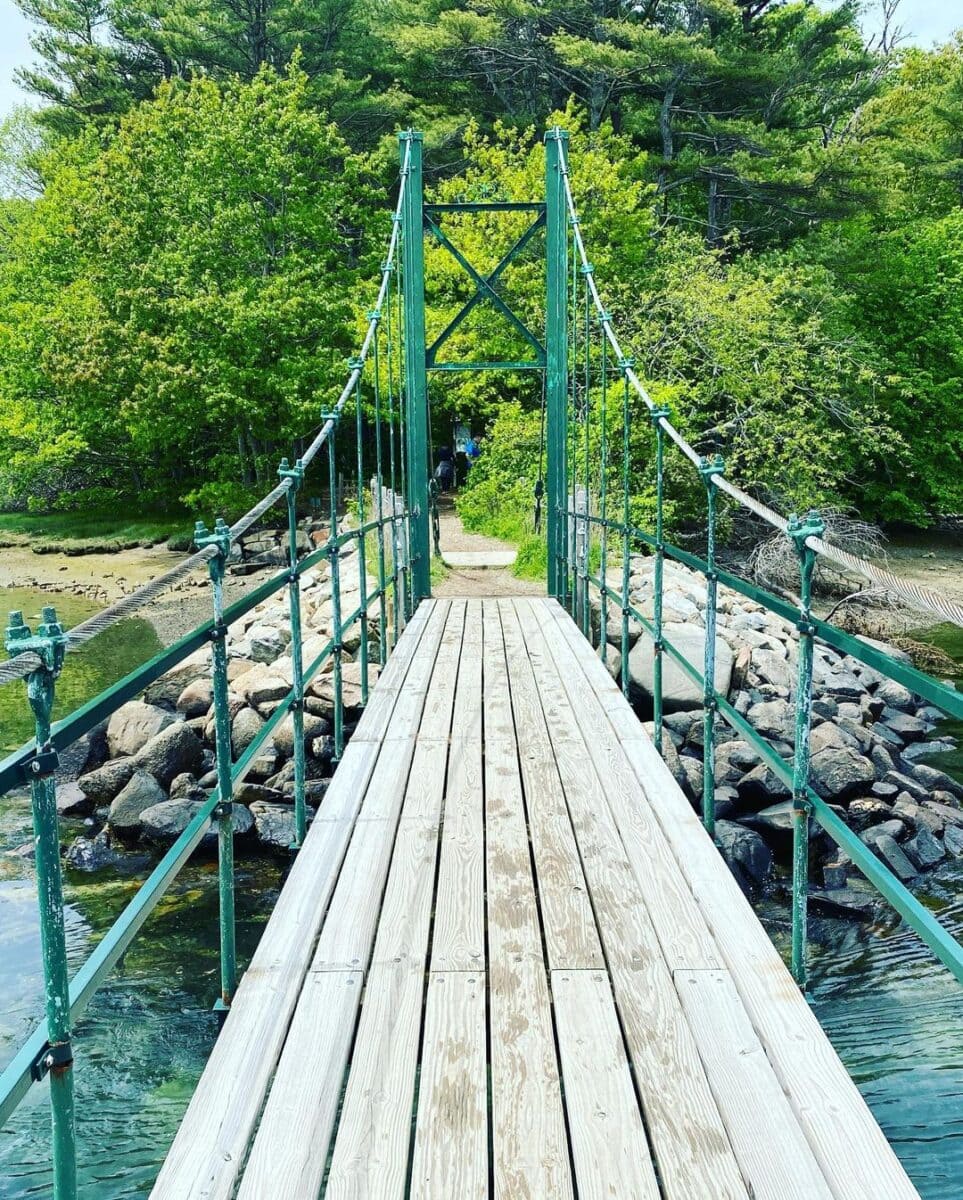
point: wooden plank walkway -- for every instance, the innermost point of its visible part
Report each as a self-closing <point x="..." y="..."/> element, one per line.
<point x="508" y="964"/>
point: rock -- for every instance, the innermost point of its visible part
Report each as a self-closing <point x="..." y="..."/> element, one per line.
<point x="244" y="729"/>
<point x="274" y="824"/>
<point x="266" y="643"/>
<point x="836" y="873"/>
<point x="894" y="694"/>
<point x="772" y="718"/>
<point x="909" y="728"/>
<point x="881" y="759"/>
<point x="165" y="691"/>
<point x="182" y="786"/>
<point x="953" y="840"/>
<point x="747" y="855"/>
<point x="196" y="698"/>
<point x="936" y="780"/>
<point x="828" y="737"/>
<point x="777" y="818"/>
<point x="85" y="753"/>
<point x="73" y="801"/>
<point x="262" y="685"/>
<point x="842" y="902"/>
<point x="892" y="827"/>
<point x="257" y="793"/>
<point x="175" y="751"/>
<point x="923" y="850"/>
<point x="613" y="629"/>
<point x="864" y="813"/>
<point x="141" y="793"/>
<point x="760" y="786"/>
<point x="164" y="823"/>
<point x="917" y="790"/>
<point x="322" y="749"/>
<point x="771" y="668"/>
<point x="910" y="811"/>
<point x="92" y="854"/>
<point x="838" y="773"/>
<point x="102" y="785"/>
<point x="733" y="760"/>
<point x="946" y="812"/>
<point x="133" y="725"/>
<point x="613" y="661"/>
<point x="885" y="791"/>
<point x="678" y="690"/>
<point x="692" y="767"/>
<point x="887" y="849"/>
<point x="283" y="736"/>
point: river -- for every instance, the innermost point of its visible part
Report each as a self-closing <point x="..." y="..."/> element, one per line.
<point x="893" y="1014"/>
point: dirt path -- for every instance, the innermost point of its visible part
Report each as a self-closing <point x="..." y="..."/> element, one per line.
<point x="487" y="581"/>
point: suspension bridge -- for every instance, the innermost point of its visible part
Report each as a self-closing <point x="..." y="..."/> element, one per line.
<point x="508" y="959"/>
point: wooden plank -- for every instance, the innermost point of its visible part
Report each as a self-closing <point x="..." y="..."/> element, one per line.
<point x="406" y="718"/>
<point x="768" y="1141"/>
<point x="451" y="1133"/>
<point x="459" y="933"/>
<point x="291" y="1148"/>
<point x="374" y="719"/>
<point x="609" y="1146"/>
<point x="683" y="933"/>
<point x="688" y="1135"/>
<point x="370" y="1159"/>
<point x="851" y="1149"/>
<point x="529" y="1145"/>
<point x="571" y="937"/>
<point x="440" y="698"/>
<point x="406" y="911"/>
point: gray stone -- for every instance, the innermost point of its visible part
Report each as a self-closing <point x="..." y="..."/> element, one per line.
<point x="244" y="729"/>
<point x="173" y="752"/>
<point x="881" y="759"/>
<point x="283" y="735"/>
<point x="887" y="849"/>
<point x="905" y="726"/>
<point x="894" y="694"/>
<point x="265" y="642"/>
<point x="133" y="725"/>
<point x="948" y="813"/>
<point x="163" y="823"/>
<point x="693" y="774"/>
<point x="257" y="793"/>
<point x="748" y="856"/>
<point x="889" y="737"/>
<point x="102" y="785"/>
<point x="827" y="737"/>
<point x="196" y="698"/>
<point x="85" y="753"/>
<point x="842" y="901"/>
<point x="274" y="824"/>
<point x="953" y="840"/>
<point x="678" y="690"/>
<point x="918" y="815"/>
<point x="182" y="786"/>
<point x="733" y="760"/>
<point x="773" y="719"/>
<point x="141" y="793"/>
<point x="92" y="854"/>
<point x="864" y="813"/>
<point x="936" y="780"/>
<point x="262" y="685"/>
<point x="771" y="667"/>
<point x="892" y="827"/>
<point x="760" y="786"/>
<point x="923" y="850"/>
<point x="777" y="818"/>
<point x="884" y="791"/>
<point x="836" y="873"/>
<point x="917" y="790"/>
<point x="838" y="773"/>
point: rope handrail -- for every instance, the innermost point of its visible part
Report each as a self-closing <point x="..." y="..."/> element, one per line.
<point x="917" y="595"/>
<point x="24" y="664"/>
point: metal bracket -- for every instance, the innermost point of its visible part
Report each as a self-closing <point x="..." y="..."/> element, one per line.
<point x="218" y="632"/>
<point x="659" y="413"/>
<point x="806" y="627"/>
<point x="60" y="1054"/>
<point x="49" y="643"/>
<point x="711" y="466"/>
<point x="295" y="473"/>
<point x="41" y="765"/>
<point x="219" y="537"/>
<point x="799" y="529"/>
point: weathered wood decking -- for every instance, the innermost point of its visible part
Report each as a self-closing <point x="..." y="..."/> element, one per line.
<point x="509" y="963"/>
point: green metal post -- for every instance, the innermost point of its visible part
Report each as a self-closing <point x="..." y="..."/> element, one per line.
<point x="416" y="384"/>
<point x="556" y="361"/>
<point x="379" y="483"/>
<point x="603" y="496"/>
<point x="220" y="538"/>
<point x="624" y="366"/>
<point x="296" y="476"/>
<point x="362" y="552"/>
<point x="799" y="531"/>
<point x="334" y="567"/>
<point x="50" y="645"/>
<point x="586" y="414"/>
<point x="708" y="469"/>
<point x="658" y="415"/>
<point x="396" y="590"/>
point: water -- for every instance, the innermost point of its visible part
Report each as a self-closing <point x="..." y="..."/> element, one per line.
<point x="114" y="653"/>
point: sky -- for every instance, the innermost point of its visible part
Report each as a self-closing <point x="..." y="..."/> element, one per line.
<point x="925" y="21"/>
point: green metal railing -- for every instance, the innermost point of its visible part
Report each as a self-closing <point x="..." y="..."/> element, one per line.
<point x="38" y="658"/>
<point x="570" y="575"/>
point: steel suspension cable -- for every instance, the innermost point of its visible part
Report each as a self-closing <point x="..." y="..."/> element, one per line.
<point x="914" y="594"/>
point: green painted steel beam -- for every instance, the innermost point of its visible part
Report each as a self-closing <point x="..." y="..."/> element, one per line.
<point x="507" y="365"/>
<point x="474" y="206"/>
<point x="416" y="382"/>
<point x="556" y="367"/>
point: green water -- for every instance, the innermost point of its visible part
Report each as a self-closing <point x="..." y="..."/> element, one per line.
<point x="111" y="656"/>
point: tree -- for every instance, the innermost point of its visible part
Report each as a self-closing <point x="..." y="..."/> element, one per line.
<point x="179" y="304"/>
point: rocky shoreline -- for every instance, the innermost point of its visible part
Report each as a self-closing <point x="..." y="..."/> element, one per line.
<point x="869" y="734"/>
<point x="138" y="779"/>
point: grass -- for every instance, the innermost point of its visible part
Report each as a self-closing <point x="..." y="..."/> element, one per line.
<point x="92" y="532"/>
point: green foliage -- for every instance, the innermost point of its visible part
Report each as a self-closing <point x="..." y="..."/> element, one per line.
<point x="177" y="305"/>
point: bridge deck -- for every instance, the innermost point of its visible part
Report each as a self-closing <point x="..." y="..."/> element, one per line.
<point x="508" y="962"/>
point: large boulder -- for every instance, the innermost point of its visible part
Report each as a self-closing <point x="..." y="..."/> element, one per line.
<point x="263" y="685"/>
<point x="141" y="793"/>
<point x="266" y="643"/>
<point x="133" y="725"/>
<point x="102" y="785"/>
<point x="748" y="856"/>
<point x="274" y="824"/>
<point x="678" y="690"/>
<point x="772" y="718"/>
<point x="73" y="801"/>
<point x="244" y="729"/>
<point x="838" y="772"/>
<point x="196" y="698"/>
<point x="164" y="823"/>
<point x="175" y="751"/>
<point x="167" y="689"/>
